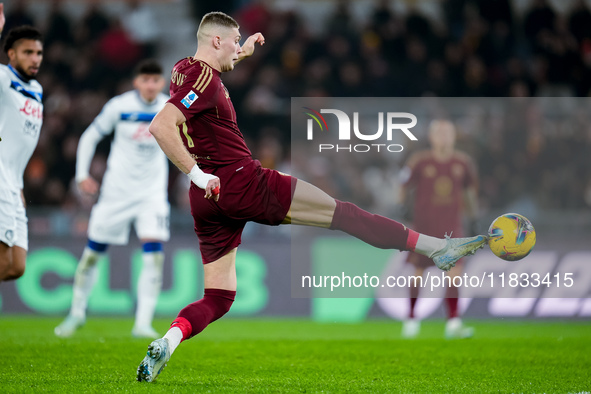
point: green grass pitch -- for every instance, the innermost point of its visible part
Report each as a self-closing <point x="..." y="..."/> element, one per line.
<point x="285" y="355"/>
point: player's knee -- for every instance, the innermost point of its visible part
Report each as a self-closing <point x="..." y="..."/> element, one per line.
<point x="152" y="247"/>
<point x="5" y="263"/>
<point x="12" y="262"/>
<point x="153" y="255"/>
<point x="220" y="300"/>
<point x="92" y="254"/>
<point x="214" y="304"/>
<point x="96" y="247"/>
<point x="221" y="310"/>
<point x="15" y="271"/>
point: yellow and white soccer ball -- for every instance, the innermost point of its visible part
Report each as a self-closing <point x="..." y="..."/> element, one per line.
<point x="511" y="236"/>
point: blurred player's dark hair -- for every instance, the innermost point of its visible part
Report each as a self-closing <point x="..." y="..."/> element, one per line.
<point x="219" y="18"/>
<point x="21" y="32"/>
<point x="148" y="66"/>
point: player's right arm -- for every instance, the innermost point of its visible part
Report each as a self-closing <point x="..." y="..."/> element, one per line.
<point x="102" y="125"/>
<point x="86" y="147"/>
<point x="164" y="129"/>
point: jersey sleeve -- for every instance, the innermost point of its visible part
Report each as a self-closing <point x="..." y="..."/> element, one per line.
<point x="195" y="94"/>
<point x="103" y="125"/>
<point x="85" y="152"/>
<point x="107" y="119"/>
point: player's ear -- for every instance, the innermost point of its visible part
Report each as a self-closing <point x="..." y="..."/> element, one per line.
<point x="11" y="54"/>
<point x="217" y="42"/>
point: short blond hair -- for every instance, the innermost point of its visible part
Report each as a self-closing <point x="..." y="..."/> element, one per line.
<point x="213" y="19"/>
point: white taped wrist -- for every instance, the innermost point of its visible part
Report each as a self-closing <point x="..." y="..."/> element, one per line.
<point x="199" y="177"/>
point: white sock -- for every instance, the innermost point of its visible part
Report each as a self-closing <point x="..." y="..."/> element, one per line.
<point x="174" y="336"/>
<point x="427" y="245"/>
<point x="148" y="288"/>
<point x="84" y="281"/>
<point x="454" y="323"/>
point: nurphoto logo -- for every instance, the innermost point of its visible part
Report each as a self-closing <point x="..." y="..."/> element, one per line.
<point x="394" y="124"/>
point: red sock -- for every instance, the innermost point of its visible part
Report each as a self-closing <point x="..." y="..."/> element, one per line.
<point x="451" y="298"/>
<point x="411" y="242"/>
<point x="184" y="325"/>
<point x="193" y="318"/>
<point x="375" y="230"/>
<point x="414" y="296"/>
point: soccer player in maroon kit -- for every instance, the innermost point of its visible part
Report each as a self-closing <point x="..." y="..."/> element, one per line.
<point x="445" y="184"/>
<point x="197" y="130"/>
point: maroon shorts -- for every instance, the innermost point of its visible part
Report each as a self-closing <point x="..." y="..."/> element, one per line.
<point x="249" y="192"/>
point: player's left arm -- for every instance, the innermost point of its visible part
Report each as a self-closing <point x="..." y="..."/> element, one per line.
<point x="248" y="46"/>
<point x="103" y="125"/>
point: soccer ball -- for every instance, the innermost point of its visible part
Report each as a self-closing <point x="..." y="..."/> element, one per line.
<point x="511" y="236"/>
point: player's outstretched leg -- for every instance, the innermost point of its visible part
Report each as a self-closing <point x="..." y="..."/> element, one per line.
<point x="385" y="233"/>
<point x="84" y="281"/>
<point x="311" y="206"/>
<point x="455" y="249"/>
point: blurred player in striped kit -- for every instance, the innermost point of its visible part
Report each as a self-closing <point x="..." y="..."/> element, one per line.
<point x="445" y="185"/>
<point x="134" y="191"/>
<point x="21" y="117"/>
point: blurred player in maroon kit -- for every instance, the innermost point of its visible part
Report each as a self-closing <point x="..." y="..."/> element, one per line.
<point x="197" y="130"/>
<point x="445" y="185"/>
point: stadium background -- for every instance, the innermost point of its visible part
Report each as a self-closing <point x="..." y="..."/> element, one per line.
<point x="453" y="48"/>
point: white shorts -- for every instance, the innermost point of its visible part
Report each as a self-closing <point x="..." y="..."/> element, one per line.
<point x="110" y="221"/>
<point x="13" y="220"/>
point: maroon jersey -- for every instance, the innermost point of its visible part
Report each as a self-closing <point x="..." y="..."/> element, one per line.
<point x="439" y="187"/>
<point x="210" y="133"/>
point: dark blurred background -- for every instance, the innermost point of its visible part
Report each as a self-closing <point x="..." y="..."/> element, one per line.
<point x="381" y="48"/>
